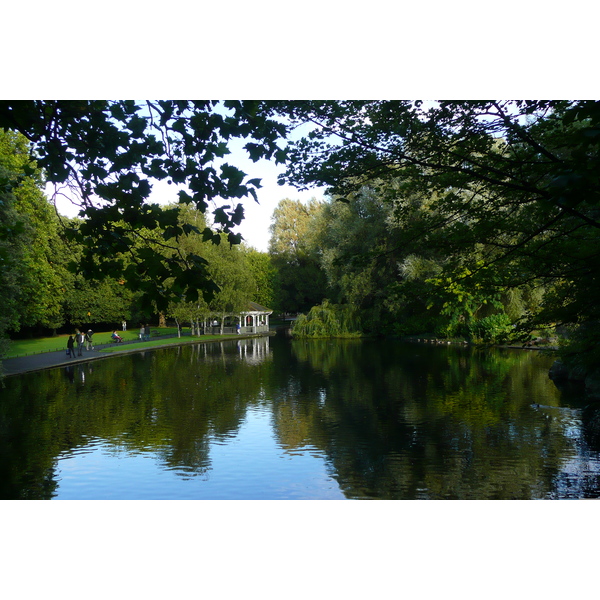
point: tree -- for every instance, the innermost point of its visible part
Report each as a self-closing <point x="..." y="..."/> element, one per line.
<point x="227" y="266"/>
<point x="106" y="154"/>
<point x="105" y="301"/>
<point x="229" y="269"/>
<point x="299" y="281"/>
<point x="519" y="177"/>
<point x="359" y="254"/>
<point x="31" y="255"/>
<point x="264" y="272"/>
<point x="328" y="320"/>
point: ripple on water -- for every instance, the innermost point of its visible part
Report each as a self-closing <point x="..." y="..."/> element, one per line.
<point x="246" y="464"/>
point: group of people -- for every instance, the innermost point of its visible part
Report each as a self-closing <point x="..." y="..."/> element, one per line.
<point x="76" y="343"/>
<point x="145" y="332"/>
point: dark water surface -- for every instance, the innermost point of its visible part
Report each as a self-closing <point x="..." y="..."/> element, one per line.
<point x="272" y="419"/>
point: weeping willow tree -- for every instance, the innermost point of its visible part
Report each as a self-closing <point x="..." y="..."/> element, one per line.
<point x="328" y="320"/>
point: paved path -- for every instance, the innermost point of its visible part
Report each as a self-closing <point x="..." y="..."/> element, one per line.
<point x="47" y="360"/>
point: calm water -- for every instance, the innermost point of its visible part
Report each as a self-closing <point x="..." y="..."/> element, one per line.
<point x="273" y="419"/>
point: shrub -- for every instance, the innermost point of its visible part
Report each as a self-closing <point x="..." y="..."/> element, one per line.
<point x="328" y="320"/>
<point x="492" y="329"/>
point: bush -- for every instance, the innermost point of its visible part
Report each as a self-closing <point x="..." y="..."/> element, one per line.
<point x="328" y="320"/>
<point x="491" y="330"/>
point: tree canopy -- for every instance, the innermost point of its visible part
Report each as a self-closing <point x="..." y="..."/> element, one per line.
<point x="106" y="154"/>
<point x="32" y="257"/>
<point x="518" y="181"/>
<point x="299" y="281"/>
<point x="470" y="210"/>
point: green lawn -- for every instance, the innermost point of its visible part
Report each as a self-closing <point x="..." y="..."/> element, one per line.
<point x="50" y="344"/>
<point x="161" y="342"/>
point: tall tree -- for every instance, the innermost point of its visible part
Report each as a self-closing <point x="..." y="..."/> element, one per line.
<point x="106" y="154"/>
<point x="227" y="267"/>
<point x="521" y="177"/>
<point x="299" y="281"/>
<point x="357" y="242"/>
<point x="32" y="256"/>
<point x="263" y="272"/>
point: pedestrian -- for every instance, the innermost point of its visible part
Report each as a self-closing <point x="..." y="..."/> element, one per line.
<point x="79" y="340"/>
<point x="71" y="347"/>
<point x="238" y="328"/>
<point x="142" y="332"/>
<point x="89" y="344"/>
<point x="147" y="332"/>
<point x="124" y="325"/>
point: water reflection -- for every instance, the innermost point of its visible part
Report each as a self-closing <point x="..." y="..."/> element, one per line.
<point x="403" y="421"/>
<point x="266" y="418"/>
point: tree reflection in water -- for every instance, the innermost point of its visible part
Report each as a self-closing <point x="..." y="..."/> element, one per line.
<point x="387" y="419"/>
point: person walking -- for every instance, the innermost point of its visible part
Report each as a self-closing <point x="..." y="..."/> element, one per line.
<point x="89" y="344"/>
<point x="71" y="347"/>
<point x="79" y="339"/>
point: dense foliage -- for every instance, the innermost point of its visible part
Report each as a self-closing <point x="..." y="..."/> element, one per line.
<point x="298" y="278"/>
<point x="328" y="320"/>
<point x="475" y="219"/>
<point x="39" y="293"/>
<point x="32" y="257"/>
<point x="497" y="203"/>
<point x="106" y="154"/>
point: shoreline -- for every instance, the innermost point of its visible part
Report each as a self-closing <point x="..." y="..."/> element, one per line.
<point x="49" y="360"/>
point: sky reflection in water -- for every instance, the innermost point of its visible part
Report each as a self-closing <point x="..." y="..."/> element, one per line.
<point x="270" y="419"/>
<point x="250" y="464"/>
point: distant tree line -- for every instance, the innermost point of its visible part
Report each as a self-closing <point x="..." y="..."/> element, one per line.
<point x="470" y="218"/>
<point x="43" y="288"/>
<point x="474" y="219"/>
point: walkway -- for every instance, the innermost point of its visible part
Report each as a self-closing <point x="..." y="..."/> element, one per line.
<point x="48" y="360"/>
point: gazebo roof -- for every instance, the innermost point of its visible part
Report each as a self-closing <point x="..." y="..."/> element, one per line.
<point x="254" y="307"/>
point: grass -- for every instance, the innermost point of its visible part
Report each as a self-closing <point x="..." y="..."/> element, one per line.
<point x="59" y="342"/>
<point x="163" y="342"/>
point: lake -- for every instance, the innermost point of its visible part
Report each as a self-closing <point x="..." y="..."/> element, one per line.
<point x="271" y="418"/>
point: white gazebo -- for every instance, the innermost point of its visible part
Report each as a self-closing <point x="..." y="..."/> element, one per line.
<point x="255" y="319"/>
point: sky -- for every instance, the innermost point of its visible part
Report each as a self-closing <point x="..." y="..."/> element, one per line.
<point x="257" y="215"/>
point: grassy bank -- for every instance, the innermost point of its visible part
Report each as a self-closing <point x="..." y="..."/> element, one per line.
<point x="172" y="341"/>
<point x="59" y="342"/>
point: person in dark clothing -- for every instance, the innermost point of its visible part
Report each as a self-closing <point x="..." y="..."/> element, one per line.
<point x="71" y="346"/>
